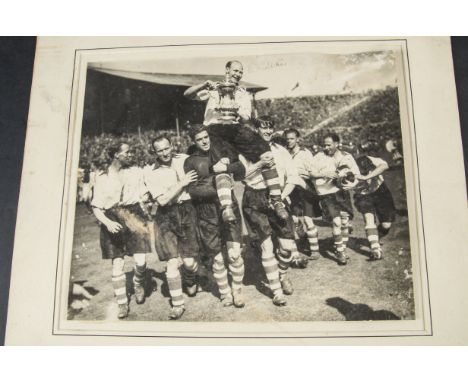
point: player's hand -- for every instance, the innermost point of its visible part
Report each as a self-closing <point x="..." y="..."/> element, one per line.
<point x="188" y="178"/>
<point x="267" y="160"/>
<point x="210" y="85"/>
<point x="113" y="227"/>
<point x="219" y="167"/>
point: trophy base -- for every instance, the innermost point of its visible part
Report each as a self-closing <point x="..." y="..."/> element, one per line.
<point x="227" y="120"/>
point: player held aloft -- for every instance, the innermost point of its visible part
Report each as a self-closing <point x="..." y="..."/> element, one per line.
<point x="229" y="131"/>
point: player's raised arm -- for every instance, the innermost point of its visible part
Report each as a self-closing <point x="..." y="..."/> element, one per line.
<point x="193" y="91"/>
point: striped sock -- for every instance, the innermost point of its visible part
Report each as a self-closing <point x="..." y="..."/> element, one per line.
<point x="270" y="175"/>
<point x="220" y="275"/>
<point x="120" y="288"/>
<point x="312" y="238"/>
<point x="338" y="242"/>
<point x="286" y="252"/>
<point x="190" y="272"/>
<point x="236" y="264"/>
<point x="174" y="283"/>
<point x="345" y="229"/>
<point x="139" y="274"/>
<point x="270" y="265"/>
<point x="223" y="189"/>
<point x="373" y="237"/>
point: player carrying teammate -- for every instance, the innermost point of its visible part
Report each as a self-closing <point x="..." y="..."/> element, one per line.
<point x="175" y="220"/>
<point x="117" y="202"/>
<point x="214" y="232"/>
<point x="233" y="136"/>
<point x="263" y="221"/>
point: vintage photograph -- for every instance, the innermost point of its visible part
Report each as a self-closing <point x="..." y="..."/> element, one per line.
<point x="246" y="185"/>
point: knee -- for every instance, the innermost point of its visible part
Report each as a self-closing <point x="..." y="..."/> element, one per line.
<point x="337" y="222"/>
<point x="190" y="264"/>
<point x="173" y="266"/>
<point x="267" y="246"/>
<point x="309" y="223"/>
<point x="386" y="225"/>
<point x="218" y="261"/>
<point x="234" y="255"/>
<point x="140" y="259"/>
<point x="117" y="266"/>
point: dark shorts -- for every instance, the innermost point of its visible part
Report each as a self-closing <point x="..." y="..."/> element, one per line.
<point x="238" y="139"/>
<point x="132" y="238"/>
<point x="379" y="203"/>
<point x="176" y="231"/>
<point x="304" y="203"/>
<point x="262" y="219"/>
<point x="334" y="204"/>
<point x="214" y="232"/>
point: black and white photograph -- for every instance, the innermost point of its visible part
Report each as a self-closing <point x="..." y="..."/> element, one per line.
<point x="246" y="184"/>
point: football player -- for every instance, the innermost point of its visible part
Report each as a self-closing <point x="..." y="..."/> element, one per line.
<point x="334" y="172"/>
<point x="263" y="221"/>
<point x="228" y="129"/>
<point x="215" y="233"/>
<point x="175" y="220"/>
<point x="372" y="197"/>
<point x="119" y="194"/>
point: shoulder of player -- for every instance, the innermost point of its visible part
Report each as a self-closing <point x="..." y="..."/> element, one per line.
<point x="280" y="151"/>
<point x="319" y="155"/>
<point x="181" y="157"/>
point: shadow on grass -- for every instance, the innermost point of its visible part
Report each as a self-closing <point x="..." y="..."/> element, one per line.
<point x="150" y="283"/>
<point x="254" y="272"/>
<point x="357" y="244"/>
<point x="359" y="312"/>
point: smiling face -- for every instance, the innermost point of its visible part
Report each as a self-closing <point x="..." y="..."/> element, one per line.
<point x="163" y="151"/>
<point x="330" y="146"/>
<point x="266" y="131"/>
<point x="202" y="141"/>
<point x="235" y="72"/>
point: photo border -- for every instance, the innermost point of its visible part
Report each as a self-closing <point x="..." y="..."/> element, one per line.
<point x="411" y="179"/>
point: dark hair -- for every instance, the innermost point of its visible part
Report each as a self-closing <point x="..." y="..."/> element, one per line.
<point x="114" y="149"/>
<point x="292" y="131"/>
<point x="263" y="121"/>
<point x="369" y="146"/>
<point x="334" y="137"/>
<point x="229" y="63"/>
<point x="196" y="129"/>
<point x="159" y="138"/>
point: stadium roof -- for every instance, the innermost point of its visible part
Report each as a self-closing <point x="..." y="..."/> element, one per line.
<point x="183" y="80"/>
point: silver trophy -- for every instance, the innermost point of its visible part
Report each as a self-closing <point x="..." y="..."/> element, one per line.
<point x="228" y="107"/>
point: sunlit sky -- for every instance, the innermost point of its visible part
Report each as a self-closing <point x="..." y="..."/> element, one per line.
<point x="288" y="75"/>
